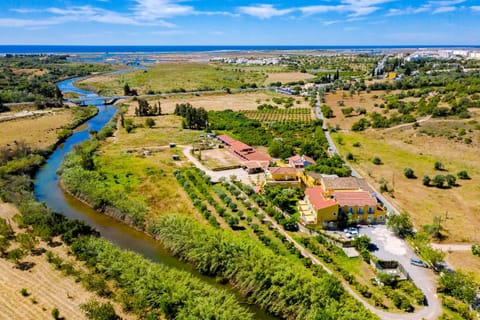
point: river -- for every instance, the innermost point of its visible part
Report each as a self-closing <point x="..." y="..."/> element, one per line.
<point x="47" y="190"/>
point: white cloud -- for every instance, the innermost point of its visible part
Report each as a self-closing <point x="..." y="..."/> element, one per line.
<point x="263" y="11"/>
<point x="154" y="9"/>
<point x="444" y="9"/>
<point x="309" y="10"/>
<point x="434" y="7"/>
<point x="475" y="8"/>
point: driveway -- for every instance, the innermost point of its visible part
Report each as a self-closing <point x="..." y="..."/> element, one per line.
<point x="390" y="247"/>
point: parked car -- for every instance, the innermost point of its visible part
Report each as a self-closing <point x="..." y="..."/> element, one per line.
<point x="419" y="263"/>
<point x="353" y="231"/>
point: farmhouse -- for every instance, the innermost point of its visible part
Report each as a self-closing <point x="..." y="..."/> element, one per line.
<point x="252" y="159"/>
<point x="334" y="199"/>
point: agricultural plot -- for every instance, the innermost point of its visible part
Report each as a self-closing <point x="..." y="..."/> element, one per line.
<point x="303" y="115"/>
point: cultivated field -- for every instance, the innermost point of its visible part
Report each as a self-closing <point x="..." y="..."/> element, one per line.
<point x="38" y="131"/>
<point x="304" y="115"/>
<point x="47" y="287"/>
<point x="406" y="147"/>
<point x="218" y="102"/>
<point x="174" y="77"/>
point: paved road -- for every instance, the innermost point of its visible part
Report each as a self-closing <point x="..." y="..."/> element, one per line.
<point x="333" y="150"/>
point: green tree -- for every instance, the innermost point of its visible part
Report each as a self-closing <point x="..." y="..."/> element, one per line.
<point x="347" y="111"/>
<point x="150" y="123"/>
<point x="96" y="310"/>
<point x="439" y="180"/>
<point x="451" y="180"/>
<point x="435" y="229"/>
<point x="459" y="285"/>
<point x="463" y="175"/>
<point x="409" y="173"/>
<point x="377" y="161"/>
<point x="55" y="314"/>
<point x="439" y="166"/>
<point x="400" y="224"/>
<point x="426" y="181"/>
<point x="327" y="112"/>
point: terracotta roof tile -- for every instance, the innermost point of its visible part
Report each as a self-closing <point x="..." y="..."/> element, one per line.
<point x="315" y="195"/>
<point x="354" y="198"/>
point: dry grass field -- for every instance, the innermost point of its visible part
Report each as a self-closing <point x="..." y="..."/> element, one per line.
<point x="47" y="287"/>
<point x="285" y="77"/>
<point x="38" y="131"/>
<point x="464" y="261"/>
<point x="406" y="147"/>
<point x="364" y="100"/>
<point x="218" y="102"/>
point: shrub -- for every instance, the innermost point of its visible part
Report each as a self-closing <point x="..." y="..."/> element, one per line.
<point x="377" y="161"/>
<point x="349" y="156"/>
<point x="463" y="175"/>
<point x="451" y="180"/>
<point x="439" y="166"/>
<point x="24" y="292"/>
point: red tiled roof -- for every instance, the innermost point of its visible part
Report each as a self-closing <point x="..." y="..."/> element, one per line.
<point x="283" y="170"/>
<point x="315" y="196"/>
<point x="257" y="156"/>
<point x="225" y="138"/>
<point x="354" y="198"/>
<point x="346" y="183"/>
<point x="240" y="146"/>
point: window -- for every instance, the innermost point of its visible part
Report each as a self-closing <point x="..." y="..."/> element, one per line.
<point x="350" y="210"/>
<point x="371" y="210"/>
<point x="340" y="210"/>
<point x="360" y="210"/>
<point x="334" y="214"/>
<point x="379" y="218"/>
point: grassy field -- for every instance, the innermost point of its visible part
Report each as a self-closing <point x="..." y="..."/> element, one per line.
<point x="173" y="77"/>
<point x="406" y="147"/>
<point x="48" y="288"/>
<point x="148" y="176"/>
<point x="42" y="130"/>
<point x="218" y="102"/>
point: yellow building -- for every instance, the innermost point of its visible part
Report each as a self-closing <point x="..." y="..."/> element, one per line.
<point x="311" y="179"/>
<point x="336" y="198"/>
<point x="283" y="175"/>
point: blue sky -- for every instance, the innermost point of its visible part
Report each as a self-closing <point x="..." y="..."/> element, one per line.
<point x="229" y="22"/>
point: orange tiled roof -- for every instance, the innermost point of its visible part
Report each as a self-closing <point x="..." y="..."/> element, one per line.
<point x="354" y="198"/>
<point x="283" y="170"/>
<point x="315" y="196"/>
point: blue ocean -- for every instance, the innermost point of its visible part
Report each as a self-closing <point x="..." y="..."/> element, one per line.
<point x="58" y="49"/>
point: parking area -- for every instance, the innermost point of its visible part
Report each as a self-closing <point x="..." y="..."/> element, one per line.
<point x="390" y="247"/>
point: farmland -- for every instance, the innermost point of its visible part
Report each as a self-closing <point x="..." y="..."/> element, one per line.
<point x="301" y="115"/>
<point x="222" y="101"/>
